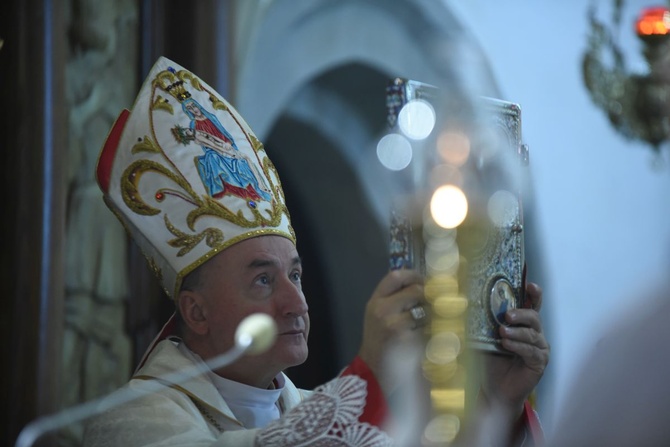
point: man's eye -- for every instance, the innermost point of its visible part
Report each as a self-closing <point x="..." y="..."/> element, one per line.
<point x="264" y="280"/>
<point x="296" y="276"/>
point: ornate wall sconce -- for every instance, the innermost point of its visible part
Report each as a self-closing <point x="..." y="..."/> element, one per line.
<point x="637" y="105"/>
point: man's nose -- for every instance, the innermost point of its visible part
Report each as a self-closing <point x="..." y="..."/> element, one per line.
<point x="291" y="300"/>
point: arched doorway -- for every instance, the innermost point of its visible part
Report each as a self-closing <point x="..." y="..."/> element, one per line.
<point x="340" y="237"/>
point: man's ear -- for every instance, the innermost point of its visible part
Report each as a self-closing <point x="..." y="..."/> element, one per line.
<point x="192" y="308"/>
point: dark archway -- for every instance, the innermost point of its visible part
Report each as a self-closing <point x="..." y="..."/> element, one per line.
<point x="343" y="245"/>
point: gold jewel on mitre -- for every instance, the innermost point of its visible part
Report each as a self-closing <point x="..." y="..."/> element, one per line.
<point x="186" y="175"/>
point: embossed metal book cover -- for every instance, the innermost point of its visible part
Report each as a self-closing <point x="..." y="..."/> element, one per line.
<point x="490" y="238"/>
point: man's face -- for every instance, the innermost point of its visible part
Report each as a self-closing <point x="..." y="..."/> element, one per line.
<point x="260" y="274"/>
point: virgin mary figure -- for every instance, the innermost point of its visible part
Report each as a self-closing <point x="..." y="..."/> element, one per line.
<point x="223" y="168"/>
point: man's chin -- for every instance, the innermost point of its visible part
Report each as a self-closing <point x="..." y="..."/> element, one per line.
<point x="296" y="358"/>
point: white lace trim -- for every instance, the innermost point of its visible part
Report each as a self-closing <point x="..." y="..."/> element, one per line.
<point x="328" y="418"/>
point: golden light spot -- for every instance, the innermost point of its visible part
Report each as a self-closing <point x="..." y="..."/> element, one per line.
<point x="448" y="206"/>
<point x="438" y="374"/>
<point x="448" y="399"/>
<point x="440" y="285"/>
<point x="450" y="306"/>
<point x="442" y="429"/>
<point x="443" y="348"/>
<point x="442" y="260"/>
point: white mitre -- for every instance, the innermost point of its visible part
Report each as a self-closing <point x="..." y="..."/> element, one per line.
<point x="186" y="175"/>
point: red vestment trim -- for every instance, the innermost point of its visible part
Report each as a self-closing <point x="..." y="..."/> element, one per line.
<point x="376" y="408"/>
<point x="106" y="159"/>
<point x="532" y="423"/>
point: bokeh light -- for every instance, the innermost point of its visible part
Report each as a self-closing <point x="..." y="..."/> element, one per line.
<point x="450" y="306"/>
<point x="448" y="206"/>
<point x="440" y="285"/>
<point x="448" y="399"/>
<point x="432" y="231"/>
<point x="454" y="147"/>
<point x="503" y="208"/>
<point x="442" y="256"/>
<point x="443" y="348"/>
<point x="442" y="429"/>
<point x="491" y="139"/>
<point x="394" y="151"/>
<point x="417" y="119"/>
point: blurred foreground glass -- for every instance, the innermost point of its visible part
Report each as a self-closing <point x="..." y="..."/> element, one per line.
<point x="457" y="218"/>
